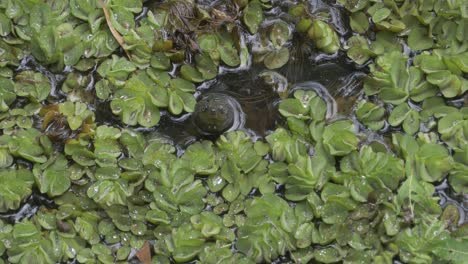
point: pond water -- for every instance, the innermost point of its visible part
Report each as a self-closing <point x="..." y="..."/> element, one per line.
<point x="335" y="78"/>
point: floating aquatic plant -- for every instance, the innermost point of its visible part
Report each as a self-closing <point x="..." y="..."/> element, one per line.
<point x="87" y="177"/>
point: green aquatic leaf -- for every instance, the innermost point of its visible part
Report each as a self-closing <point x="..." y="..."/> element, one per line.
<point x="381" y="14"/>
<point x="191" y="74"/>
<point x="359" y="50"/>
<point x="328" y="255"/>
<point x="359" y="22"/>
<point x="79" y="152"/>
<point x="279" y="34"/>
<point x="253" y="16"/>
<point x="419" y="39"/>
<point x="276" y="59"/>
<point x="5" y="159"/>
<point x="160" y="61"/>
<point x="206" y="66"/>
<point x="87" y="228"/>
<point x="292" y="107"/>
<point x="211" y="225"/>
<point x="227" y="51"/>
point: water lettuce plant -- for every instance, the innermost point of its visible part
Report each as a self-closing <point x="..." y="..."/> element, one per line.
<point x="88" y="174"/>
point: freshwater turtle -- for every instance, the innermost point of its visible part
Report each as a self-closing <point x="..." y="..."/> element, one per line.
<point x="235" y="101"/>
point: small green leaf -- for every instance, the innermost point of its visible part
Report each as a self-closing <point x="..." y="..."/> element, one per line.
<point x="253" y="16"/>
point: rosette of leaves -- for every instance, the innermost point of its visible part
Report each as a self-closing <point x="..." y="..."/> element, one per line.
<point x="285" y="147"/>
<point x="368" y="168"/>
<point x="78" y="150"/>
<point x="201" y="158"/>
<point x="76" y="113"/>
<point x="106" y="146"/>
<point x="175" y="94"/>
<point x="185" y="242"/>
<point x="10" y="56"/>
<point x="116" y="70"/>
<point x="134" y="102"/>
<point x="405" y="116"/>
<point x="28" y="144"/>
<point x="58" y="43"/>
<point x="267" y="231"/>
<point x="308" y="174"/>
<point x="339" y="138"/>
<point x="33" y="85"/>
<point x="240" y="164"/>
<point x="358" y="49"/>
<point x="19" y="117"/>
<point x="430" y="241"/>
<point x="445" y="72"/>
<point x="384" y="19"/>
<point x="432" y="162"/>
<point x="370" y="115"/>
<point x="423" y="163"/>
<point x="324" y="36"/>
<point x="158" y="151"/>
<point x="66" y="242"/>
<point x="214" y="254"/>
<point x="305" y="105"/>
<point x="53" y="176"/>
<point x="29" y="245"/>
<point x="211" y="226"/>
<point x="395" y="83"/>
<point x="458" y="178"/>
<point x="76" y="86"/>
<point x="221" y="47"/>
<point x="16" y="187"/>
<point x="175" y="191"/>
<point x="320" y="32"/>
<point x="273" y="50"/>
<point x="110" y="188"/>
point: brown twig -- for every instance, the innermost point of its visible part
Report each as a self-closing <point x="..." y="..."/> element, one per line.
<point x="114" y="32"/>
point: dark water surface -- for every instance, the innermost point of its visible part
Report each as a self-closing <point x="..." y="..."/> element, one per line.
<point x="336" y="77"/>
